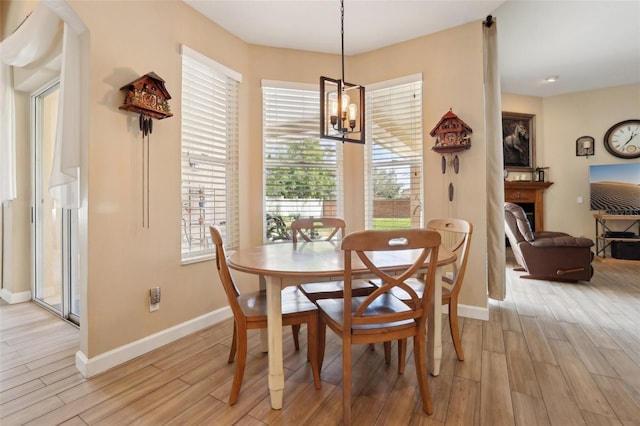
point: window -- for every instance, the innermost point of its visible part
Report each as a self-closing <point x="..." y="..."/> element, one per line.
<point x="209" y="154"/>
<point x="301" y="172"/>
<point x="394" y="154"/>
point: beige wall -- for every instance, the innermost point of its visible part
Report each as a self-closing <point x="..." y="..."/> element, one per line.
<point x="451" y="65"/>
<point x="560" y="120"/>
<point x="11" y="15"/>
<point x="125" y="260"/>
<point x="567" y="118"/>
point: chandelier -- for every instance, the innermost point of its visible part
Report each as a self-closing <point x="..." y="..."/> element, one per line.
<point x="341" y="104"/>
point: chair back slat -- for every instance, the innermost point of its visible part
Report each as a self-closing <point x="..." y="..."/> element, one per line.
<point x="456" y="235"/>
<point x="365" y="244"/>
<point x="304" y="226"/>
<point x="230" y="288"/>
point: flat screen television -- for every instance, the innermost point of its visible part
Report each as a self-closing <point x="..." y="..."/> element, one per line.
<point x="615" y="188"/>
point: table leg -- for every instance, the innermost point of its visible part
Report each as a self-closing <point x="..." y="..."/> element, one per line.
<point x="274" y="331"/>
<point x="264" y="338"/>
<point x="434" y="330"/>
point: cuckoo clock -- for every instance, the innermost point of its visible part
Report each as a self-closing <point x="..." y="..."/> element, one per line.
<point x="451" y="134"/>
<point x="147" y="96"/>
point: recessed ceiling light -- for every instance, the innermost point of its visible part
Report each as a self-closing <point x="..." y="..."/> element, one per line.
<point x="552" y="78"/>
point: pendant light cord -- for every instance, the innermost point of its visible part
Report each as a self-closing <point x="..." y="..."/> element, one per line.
<point x="342" y="34"/>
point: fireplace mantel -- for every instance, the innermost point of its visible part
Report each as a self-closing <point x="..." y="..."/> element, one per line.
<point x="519" y="192"/>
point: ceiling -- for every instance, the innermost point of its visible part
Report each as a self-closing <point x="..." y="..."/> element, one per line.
<point x="588" y="44"/>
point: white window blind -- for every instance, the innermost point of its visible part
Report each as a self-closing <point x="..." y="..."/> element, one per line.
<point x="209" y="154"/>
<point x="302" y="173"/>
<point x="393" y="154"/>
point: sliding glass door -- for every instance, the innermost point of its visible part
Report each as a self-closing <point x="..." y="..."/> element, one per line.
<point x="54" y="262"/>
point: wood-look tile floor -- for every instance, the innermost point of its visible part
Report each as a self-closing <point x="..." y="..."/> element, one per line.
<point x="551" y="354"/>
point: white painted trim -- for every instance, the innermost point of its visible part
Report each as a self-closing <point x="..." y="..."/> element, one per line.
<point x="11" y="298"/>
<point x="293" y="85"/>
<point x="204" y="59"/>
<point x="473" y="312"/>
<point x="412" y="78"/>
<point x="90" y="367"/>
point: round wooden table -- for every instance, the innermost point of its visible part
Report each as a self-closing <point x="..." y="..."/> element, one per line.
<point x="283" y="264"/>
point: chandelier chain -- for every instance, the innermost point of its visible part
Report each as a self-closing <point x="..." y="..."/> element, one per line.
<point x="342" y="34"/>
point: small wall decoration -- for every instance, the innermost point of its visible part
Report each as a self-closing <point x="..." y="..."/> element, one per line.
<point x="452" y="135"/>
<point x="148" y="97"/>
<point x="585" y="146"/>
<point x="518" y="141"/>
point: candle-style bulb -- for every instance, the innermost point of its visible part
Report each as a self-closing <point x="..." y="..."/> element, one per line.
<point x="345" y="102"/>
<point x="353" y="111"/>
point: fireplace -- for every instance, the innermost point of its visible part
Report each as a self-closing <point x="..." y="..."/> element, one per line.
<point x="529" y="195"/>
<point x="530" y="211"/>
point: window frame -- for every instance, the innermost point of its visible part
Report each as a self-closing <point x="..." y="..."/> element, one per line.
<point x="215" y="162"/>
<point x="416" y="207"/>
<point x="310" y="107"/>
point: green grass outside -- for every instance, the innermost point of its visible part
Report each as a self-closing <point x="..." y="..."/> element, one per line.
<point x="391" y="223"/>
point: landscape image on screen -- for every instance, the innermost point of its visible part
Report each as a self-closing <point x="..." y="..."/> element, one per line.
<point x="615" y="188"/>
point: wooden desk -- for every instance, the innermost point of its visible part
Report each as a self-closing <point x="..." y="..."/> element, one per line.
<point x="287" y="264"/>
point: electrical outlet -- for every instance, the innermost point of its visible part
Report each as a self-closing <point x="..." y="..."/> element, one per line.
<point x="154" y="299"/>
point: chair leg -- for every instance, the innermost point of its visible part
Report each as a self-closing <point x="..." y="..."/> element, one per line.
<point x="346" y="380"/>
<point x="232" y="352"/>
<point x="240" y="364"/>
<point x="312" y="346"/>
<point x="453" y="326"/>
<point x="402" y="355"/>
<point x="322" y="339"/>
<point x="387" y="352"/>
<point x="420" y="356"/>
<point x="295" y="331"/>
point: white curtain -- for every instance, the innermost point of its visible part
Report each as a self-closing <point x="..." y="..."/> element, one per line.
<point x="8" y="189"/>
<point x="495" y="165"/>
<point x="64" y="180"/>
<point x="27" y="44"/>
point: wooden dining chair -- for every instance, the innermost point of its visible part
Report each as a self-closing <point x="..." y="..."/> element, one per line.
<point x="334" y="227"/>
<point x="310" y="228"/>
<point x="456" y="235"/>
<point x="380" y="316"/>
<point x="250" y="312"/>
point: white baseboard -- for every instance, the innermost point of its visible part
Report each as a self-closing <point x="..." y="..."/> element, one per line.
<point x="473" y="312"/>
<point x="11" y="298"/>
<point x="89" y="367"/>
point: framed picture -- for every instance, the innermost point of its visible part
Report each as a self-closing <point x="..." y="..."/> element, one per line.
<point x="518" y="141"/>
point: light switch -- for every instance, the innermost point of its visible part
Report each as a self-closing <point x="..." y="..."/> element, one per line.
<point x="579" y="199"/>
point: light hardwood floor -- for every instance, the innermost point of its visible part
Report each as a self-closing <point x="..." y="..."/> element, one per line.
<point x="551" y="353"/>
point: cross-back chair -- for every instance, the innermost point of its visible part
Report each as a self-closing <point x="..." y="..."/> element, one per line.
<point x="380" y="316"/>
<point x="456" y="236"/>
<point x="456" y="233"/>
<point x="335" y="227"/>
<point x="250" y="312"/>
<point x="306" y="227"/>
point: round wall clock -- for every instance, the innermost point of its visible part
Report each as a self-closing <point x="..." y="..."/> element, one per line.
<point x="623" y="139"/>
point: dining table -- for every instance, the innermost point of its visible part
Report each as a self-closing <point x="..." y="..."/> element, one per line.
<point x="285" y="264"/>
